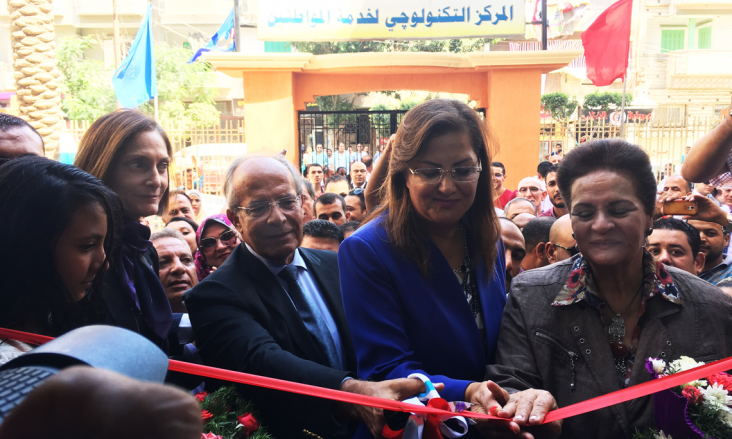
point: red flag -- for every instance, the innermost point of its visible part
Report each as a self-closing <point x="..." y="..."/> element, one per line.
<point x="607" y="44"/>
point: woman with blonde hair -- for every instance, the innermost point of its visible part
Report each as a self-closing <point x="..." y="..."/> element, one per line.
<point x="423" y="281"/>
<point x="130" y="153"/>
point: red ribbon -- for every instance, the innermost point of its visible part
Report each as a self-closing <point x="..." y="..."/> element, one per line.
<point x="590" y="405"/>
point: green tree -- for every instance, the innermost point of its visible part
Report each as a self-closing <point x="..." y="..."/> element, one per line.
<point x="458" y="45"/>
<point x="560" y="105"/>
<point x="180" y="82"/>
<point x="605" y="100"/>
<point x="186" y="92"/>
<point x="86" y="84"/>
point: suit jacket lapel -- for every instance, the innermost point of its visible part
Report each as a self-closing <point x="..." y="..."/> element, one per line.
<point x="329" y="284"/>
<point x="271" y="292"/>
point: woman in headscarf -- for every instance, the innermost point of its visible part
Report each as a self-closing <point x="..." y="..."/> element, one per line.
<point x="197" y="202"/>
<point x="216" y="240"/>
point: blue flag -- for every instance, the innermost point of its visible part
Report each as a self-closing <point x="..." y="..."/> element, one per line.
<point x="225" y="35"/>
<point x="134" y="82"/>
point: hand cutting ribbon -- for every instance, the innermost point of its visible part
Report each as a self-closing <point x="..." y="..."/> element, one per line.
<point x="590" y="405"/>
<point x="430" y="426"/>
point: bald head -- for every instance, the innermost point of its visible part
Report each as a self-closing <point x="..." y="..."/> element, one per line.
<point x="18" y="138"/>
<point x="677" y="185"/>
<point x="522" y="219"/>
<point x="273" y="231"/>
<point x="533" y="189"/>
<point x="561" y="235"/>
<point x="518" y="206"/>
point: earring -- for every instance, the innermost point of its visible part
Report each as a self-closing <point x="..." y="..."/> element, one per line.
<point x="649" y="231"/>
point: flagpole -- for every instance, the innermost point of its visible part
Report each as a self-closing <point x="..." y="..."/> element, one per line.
<point x="622" y="107"/>
<point x="115" y="40"/>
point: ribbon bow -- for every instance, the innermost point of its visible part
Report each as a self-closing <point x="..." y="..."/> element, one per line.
<point x="430" y="426"/>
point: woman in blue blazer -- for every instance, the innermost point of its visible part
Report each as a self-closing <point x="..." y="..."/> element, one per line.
<point x="423" y="281"/>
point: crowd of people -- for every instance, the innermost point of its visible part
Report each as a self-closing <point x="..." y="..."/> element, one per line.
<point x="355" y="272"/>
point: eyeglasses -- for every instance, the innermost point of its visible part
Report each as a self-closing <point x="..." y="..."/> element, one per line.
<point x="227" y="237"/>
<point x="529" y="189"/>
<point x="572" y="250"/>
<point x="461" y="174"/>
<point x="261" y="209"/>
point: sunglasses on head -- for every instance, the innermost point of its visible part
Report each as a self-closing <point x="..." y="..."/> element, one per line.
<point x="357" y="191"/>
<point x="227" y="237"/>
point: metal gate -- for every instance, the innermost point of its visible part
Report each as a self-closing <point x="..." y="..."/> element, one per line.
<point x="370" y="129"/>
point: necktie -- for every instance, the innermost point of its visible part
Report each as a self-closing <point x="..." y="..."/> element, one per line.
<point x="311" y="316"/>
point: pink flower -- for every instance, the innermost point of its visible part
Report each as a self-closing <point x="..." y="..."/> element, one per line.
<point x="693" y="394"/>
<point x="200" y="396"/>
<point x="210" y="436"/>
<point x="249" y="422"/>
<point x="722" y="379"/>
<point x="206" y="415"/>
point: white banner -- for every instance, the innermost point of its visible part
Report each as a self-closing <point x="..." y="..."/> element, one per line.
<point x="334" y="20"/>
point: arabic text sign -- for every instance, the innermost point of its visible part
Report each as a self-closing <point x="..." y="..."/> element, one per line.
<point x="331" y="20"/>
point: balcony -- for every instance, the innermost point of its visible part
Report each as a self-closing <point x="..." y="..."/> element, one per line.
<point x="701" y="7"/>
<point x="84" y="8"/>
<point x="699" y="69"/>
<point x="195" y="11"/>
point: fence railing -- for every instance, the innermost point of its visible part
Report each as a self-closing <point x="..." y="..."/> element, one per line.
<point x="665" y="143"/>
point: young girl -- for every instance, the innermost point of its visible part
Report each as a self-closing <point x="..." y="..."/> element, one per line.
<point x="57" y="229"/>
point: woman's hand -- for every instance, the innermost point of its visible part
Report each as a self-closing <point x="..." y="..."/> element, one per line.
<point x="378" y="176"/>
<point x="524" y="411"/>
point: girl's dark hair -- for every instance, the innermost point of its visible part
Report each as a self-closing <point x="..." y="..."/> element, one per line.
<point x="38" y="198"/>
<point x="612" y="155"/>
<point x="182" y="218"/>
<point x="424" y="122"/>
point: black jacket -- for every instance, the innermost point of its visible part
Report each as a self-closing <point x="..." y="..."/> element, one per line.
<point x="243" y="320"/>
<point x="121" y="311"/>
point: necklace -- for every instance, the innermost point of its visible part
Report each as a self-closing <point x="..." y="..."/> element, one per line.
<point x="617" y="329"/>
<point x="463" y="268"/>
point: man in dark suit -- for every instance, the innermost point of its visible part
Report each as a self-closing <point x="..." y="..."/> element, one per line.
<point x="275" y="309"/>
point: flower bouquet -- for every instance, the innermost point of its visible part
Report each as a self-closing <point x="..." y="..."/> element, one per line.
<point x="226" y="415"/>
<point x="705" y="403"/>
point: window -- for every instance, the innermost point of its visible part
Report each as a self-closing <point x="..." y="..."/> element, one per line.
<point x="705" y="38"/>
<point x="672" y="39"/>
<point x="665" y="114"/>
<point x="718" y="108"/>
<point x="277" y="46"/>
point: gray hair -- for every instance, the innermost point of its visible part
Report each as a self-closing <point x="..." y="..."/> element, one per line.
<point x="518" y="200"/>
<point x="230" y="194"/>
<point x="169" y="233"/>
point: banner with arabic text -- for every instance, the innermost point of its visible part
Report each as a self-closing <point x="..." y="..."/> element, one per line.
<point x="334" y="20"/>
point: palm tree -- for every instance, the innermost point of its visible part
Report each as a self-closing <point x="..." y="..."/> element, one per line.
<point x="35" y="71"/>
